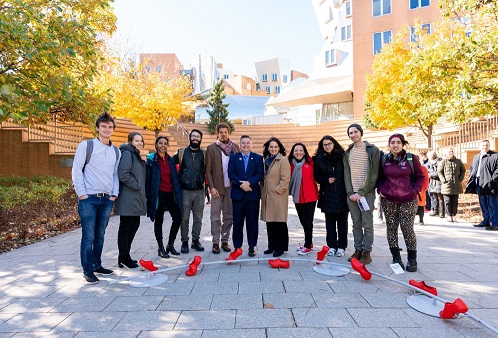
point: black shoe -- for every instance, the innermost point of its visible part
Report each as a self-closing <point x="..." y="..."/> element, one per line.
<point x="103" y="271"/>
<point x="225" y="247"/>
<point x="492" y="228"/>
<point x="184" y="248"/>
<point x="252" y="252"/>
<point x="161" y="252"/>
<point x="278" y="253"/>
<point x="196" y="245"/>
<point x="126" y="262"/>
<point x="269" y="251"/>
<point x="171" y="249"/>
<point x="480" y="225"/>
<point x="411" y="264"/>
<point x="90" y="278"/>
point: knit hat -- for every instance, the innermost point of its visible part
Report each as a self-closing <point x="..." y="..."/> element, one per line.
<point x="400" y="136"/>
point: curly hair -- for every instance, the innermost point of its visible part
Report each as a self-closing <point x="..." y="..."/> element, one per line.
<point x="281" y="147"/>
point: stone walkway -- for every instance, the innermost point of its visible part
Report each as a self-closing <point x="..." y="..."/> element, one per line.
<point x="42" y="293"/>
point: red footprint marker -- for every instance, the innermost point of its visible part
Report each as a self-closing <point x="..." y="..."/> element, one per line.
<point x="278" y="263"/>
<point x="321" y="255"/>
<point x="422" y="286"/>
<point x="451" y="310"/>
<point x="234" y="254"/>
<point x="192" y="268"/>
<point x="148" y="265"/>
<point x="361" y="269"/>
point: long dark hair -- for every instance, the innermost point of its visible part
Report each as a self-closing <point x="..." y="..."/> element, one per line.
<point x="132" y="135"/>
<point x="266" y="152"/>
<point x="337" y="150"/>
<point x="307" y="156"/>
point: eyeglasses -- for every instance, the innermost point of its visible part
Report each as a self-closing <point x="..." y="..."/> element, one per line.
<point x="328" y="144"/>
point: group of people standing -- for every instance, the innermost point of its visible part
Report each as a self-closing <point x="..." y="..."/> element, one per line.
<point x="247" y="187"/>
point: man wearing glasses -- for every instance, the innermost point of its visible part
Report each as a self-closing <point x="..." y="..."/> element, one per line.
<point x="361" y="168"/>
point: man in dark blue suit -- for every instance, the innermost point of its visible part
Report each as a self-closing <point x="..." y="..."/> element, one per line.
<point x="245" y="170"/>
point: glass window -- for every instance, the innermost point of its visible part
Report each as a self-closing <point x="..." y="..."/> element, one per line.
<point x="274" y="77"/>
<point x="426" y="27"/>
<point x="381" y="7"/>
<point x="335" y="111"/>
<point x="265" y="77"/>
<point x="330" y="57"/>
<point x="419" y="3"/>
<point x="346" y="33"/>
<point x="268" y="89"/>
<point x="226" y="76"/>
<point x="147" y="68"/>
<point x="284" y="78"/>
<point x="159" y="69"/>
<point x="347" y="5"/>
<point x="380" y="39"/>
<point x="277" y="89"/>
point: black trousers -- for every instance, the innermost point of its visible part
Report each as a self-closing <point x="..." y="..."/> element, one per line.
<point x="166" y="201"/>
<point x="128" y="226"/>
<point x="337" y="229"/>
<point x="451" y="204"/>
<point x="420" y="213"/>
<point x="306" y="214"/>
<point x="278" y="236"/>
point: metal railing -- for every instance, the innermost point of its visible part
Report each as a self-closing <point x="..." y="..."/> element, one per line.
<point x="179" y="126"/>
<point x="64" y="136"/>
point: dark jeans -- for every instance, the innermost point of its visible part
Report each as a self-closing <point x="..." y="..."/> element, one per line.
<point x="437" y="203"/>
<point x="94" y="215"/>
<point x="420" y="213"/>
<point x="451" y="204"/>
<point x="248" y="211"/>
<point x="337" y="229"/>
<point x="278" y="236"/>
<point x="128" y="226"/>
<point x="166" y="201"/>
<point x="306" y="213"/>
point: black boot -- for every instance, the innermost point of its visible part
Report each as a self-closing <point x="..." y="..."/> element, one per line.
<point x="184" y="248"/>
<point x="397" y="257"/>
<point x="126" y="261"/>
<point x="196" y="245"/>
<point x="411" y="265"/>
<point x="171" y="249"/>
<point x="161" y="252"/>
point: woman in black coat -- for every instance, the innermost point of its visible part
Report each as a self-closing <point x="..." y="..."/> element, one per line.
<point x="329" y="173"/>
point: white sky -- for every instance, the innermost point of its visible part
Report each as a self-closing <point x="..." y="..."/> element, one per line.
<point x="237" y="33"/>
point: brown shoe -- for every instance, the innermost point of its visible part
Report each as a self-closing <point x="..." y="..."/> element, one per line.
<point x="216" y="248"/>
<point x="365" y="258"/>
<point x="225" y="247"/>
<point x="357" y="255"/>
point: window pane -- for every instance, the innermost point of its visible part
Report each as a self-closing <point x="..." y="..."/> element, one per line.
<point x="377" y="42"/>
<point x="376" y="8"/>
<point x="349" y="32"/>
<point x="348" y="8"/>
<point x="386" y="7"/>
<point x="387" y="37"/>
<point x="414" y="4"/>
<point x="425" y="3"/>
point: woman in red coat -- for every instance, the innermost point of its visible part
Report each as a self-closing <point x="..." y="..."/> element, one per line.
<point x="304" y="192"/>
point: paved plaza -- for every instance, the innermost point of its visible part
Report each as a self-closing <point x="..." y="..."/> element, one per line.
<point x="42" y="293"/>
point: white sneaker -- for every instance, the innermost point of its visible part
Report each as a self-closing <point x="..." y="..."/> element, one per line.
<point x="340" y="252"/>
<point x="331" y="252"/>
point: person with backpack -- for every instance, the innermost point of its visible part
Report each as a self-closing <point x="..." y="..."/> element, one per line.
<point x="131" y="203"/>
<point x="95" y="180"/>
<point x="451" y="172"/>
<point x="400" y="182"/>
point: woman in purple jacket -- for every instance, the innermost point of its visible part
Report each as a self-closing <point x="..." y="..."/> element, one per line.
<point x="399" y="185"/>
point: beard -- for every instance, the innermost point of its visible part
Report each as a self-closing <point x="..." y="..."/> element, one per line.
<point x="194" y="145"/>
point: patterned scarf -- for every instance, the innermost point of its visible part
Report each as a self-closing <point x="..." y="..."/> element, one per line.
<point x="268" y="162"/>
<point x="227" y="148"/>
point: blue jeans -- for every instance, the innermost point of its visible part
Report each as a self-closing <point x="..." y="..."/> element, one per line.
<point x="94" y="216"/>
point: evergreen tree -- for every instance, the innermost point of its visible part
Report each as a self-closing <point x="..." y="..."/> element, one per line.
<point x="219" y="112"/>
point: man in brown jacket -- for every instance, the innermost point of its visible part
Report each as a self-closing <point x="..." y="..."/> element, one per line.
<point x="217" y="156"/>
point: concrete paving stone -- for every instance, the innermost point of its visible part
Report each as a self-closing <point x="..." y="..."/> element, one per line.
<point x="237" y="302"/>
<point x="6" y="300"/>
<point x="311" y="275"/>
<point x="147" y="320"/>
<point x="199" y="302"/>
<point x="387" y="286"/>
<point x="280" y="274"/>
<point x="300" y="286"/>
<point x="121" y="289"/>
<point x="239" y="277"/>
<point x="453" y="276"/>
<point x="359" y="285"/>
<point x="261" y="287"/>
<point x="255" y="266"/>
<point x="5" y="317"/>
<point x="339" y="332"/>
<point x="24" y="305"/>
<point x="82" y="290"/>
<point x="201" y="320"/>
<point x="264" y="318"/>
<point x="425" y="321"/>
<point x="200" y="277"/>
<point x="215" y="288"/>
<point x="381" y="318"/>
<point x="386" y="300"/>
<point x="338" y="286"/>
<point x="31" y="322"/>
<point x="8" y="279"/>
<point x="83" y="304"/>
<point x="112" y="334"/>
<point x="425" y="332"/>
<point x="241" y="333"/>
<point x="297" y="332"/>
<point x="34" y="291"/>
<point x="172" y="334"/>
<point x="289" y="300"/>
<point x="322" y="317"/>
<point x="90" y="322"/>
<point x="169" y="289"/>
<point x="338" y="301"/>
<point x="481" y="333"/>
<point x="132" y="304"/>
<point x="68" y="334"/>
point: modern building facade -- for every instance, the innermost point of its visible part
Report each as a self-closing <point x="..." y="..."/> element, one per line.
<point x="272" y="75"/>
<point x="165" y="63"/>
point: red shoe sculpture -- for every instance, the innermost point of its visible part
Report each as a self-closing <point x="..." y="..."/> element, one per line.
<point x="361" y="269"/>
<point x="451" y="310"/>
<point x="321" y="255"/>
<point x="192" y="268"/>
<point x="422" y="286"/>
<point x="278" y="263"/>
<point x="148" y="265"/>
<point x="234" y="254"/>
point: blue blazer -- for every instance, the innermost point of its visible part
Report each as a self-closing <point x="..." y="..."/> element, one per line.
<point x="254" y="175"/>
